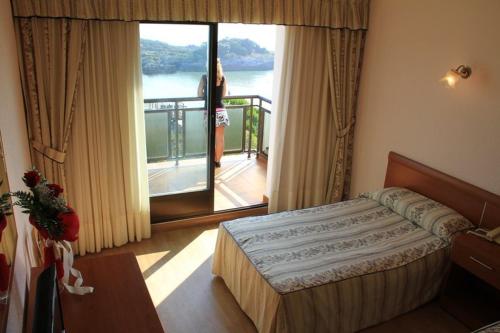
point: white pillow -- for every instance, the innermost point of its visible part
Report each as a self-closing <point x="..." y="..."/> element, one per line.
<point x="431" y="215"/>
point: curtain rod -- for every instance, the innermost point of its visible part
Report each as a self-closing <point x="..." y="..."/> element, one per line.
<point x="178" y="22"/>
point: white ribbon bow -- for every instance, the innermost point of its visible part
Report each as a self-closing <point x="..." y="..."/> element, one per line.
<point x="67" y="260"/>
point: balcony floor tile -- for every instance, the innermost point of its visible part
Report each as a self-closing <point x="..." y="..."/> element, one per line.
<point x="240" y="182"/>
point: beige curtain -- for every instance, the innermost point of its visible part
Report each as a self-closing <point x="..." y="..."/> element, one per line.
<point x="314" y="111"/>
<point x="9" y="234"/>
<point x="352" y="14"/>
<point x="51" y="52"/>
<point x="106" y="163"/>
<point x="9" y="240"/>
<point x="345" y="52"/>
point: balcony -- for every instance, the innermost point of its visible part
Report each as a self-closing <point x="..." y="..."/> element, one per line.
<point x="177" y="149"/>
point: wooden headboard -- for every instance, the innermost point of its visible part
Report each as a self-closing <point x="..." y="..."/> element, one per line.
<point x="479" y="206"/>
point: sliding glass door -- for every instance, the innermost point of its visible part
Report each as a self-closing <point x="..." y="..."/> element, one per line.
<point x="179" y="62"/>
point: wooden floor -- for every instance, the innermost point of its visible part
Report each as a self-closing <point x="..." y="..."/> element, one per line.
<point x="177" y="268"/>
<point x="239" y="182"/>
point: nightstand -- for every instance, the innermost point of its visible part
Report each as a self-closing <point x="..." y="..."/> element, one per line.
<point x="472" y="292"/>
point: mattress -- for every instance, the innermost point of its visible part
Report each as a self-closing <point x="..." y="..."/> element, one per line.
<point x="333" y="268"/>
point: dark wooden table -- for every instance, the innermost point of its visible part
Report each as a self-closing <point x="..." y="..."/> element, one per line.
<point x="120" y="301"/>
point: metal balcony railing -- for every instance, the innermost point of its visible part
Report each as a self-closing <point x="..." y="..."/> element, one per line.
<point x="176" y="127"/>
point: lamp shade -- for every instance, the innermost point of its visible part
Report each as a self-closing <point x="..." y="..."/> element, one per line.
<point x="451" y="78"/>
<point x="454" y="75"/>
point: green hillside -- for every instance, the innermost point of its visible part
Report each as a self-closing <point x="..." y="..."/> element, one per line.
<point x="236" y="55"/>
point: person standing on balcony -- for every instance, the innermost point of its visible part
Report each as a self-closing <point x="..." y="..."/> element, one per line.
<point x="221" y="117"/>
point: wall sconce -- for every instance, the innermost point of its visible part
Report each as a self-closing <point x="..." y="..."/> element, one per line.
<point x="453" y="75"/>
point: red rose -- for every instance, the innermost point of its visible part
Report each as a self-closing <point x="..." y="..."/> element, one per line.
<point x="70" y="224"/>
<point x="3" y="224"/>
<point x="55" y="189"/>
<point x="42" y="231"/>
<point x="32" y="178"/>
<point x="4" y="273"/>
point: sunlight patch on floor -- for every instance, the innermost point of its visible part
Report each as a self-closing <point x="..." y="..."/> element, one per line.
<point x="146" y="261"/>
<point x="230" y="195"/>
<point x="234" y="171"/>
<point x="176" y="270"/>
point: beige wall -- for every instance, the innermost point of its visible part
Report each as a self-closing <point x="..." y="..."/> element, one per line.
<point x="15" y="140"/>
<point x="403" y="106"/>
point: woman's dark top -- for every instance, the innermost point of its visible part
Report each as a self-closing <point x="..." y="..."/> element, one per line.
<point x="218" y="92"/>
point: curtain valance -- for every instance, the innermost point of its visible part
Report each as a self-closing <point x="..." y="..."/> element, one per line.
<point x="352" y="14"/>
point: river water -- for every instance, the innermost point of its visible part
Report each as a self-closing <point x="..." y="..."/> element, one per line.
<point x="185" y="84"/>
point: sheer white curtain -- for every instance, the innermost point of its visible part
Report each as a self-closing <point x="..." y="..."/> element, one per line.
<point x="106" y="163"/>
<point x="303" y="130"/>
<point x="313" y="114"/>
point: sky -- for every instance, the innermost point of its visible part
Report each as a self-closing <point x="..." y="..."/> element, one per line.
<point x="185" y="34"/>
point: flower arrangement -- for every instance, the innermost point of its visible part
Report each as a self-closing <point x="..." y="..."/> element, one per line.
<point x="47" y="209"/>
<point x="49" y="214"/>
<point x="56" y="222"/>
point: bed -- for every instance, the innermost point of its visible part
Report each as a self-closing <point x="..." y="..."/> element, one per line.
<point x="492" y="328"/>
<point x="353" y="264"/>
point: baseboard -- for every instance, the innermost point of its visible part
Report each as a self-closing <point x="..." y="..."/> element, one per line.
<point x="213" y="219"/>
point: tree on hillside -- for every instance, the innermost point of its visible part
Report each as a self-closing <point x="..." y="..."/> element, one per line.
<point x="235" y="53"/>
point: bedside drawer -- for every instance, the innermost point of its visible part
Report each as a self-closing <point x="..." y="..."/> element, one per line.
<point x="484" y="265"/>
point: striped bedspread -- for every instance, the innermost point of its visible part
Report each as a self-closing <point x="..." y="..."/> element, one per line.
<point x="311" y="247"/>
<point x="492" y="328"/>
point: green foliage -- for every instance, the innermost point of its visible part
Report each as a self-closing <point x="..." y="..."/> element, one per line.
<point x="239" y="101"/>
<point x="253" y="121"/>
<point x="25" y="200"/>
<point x="252" y="118"/>
<point x="238" y="54"/>
<point x="235" y="53"/>
<point x="46" y="216"/>
<point x="41" y="203"/>
<point x="162" y="58"/>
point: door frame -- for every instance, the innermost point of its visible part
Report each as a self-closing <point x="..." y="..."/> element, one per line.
<point x="196" y="203"/>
